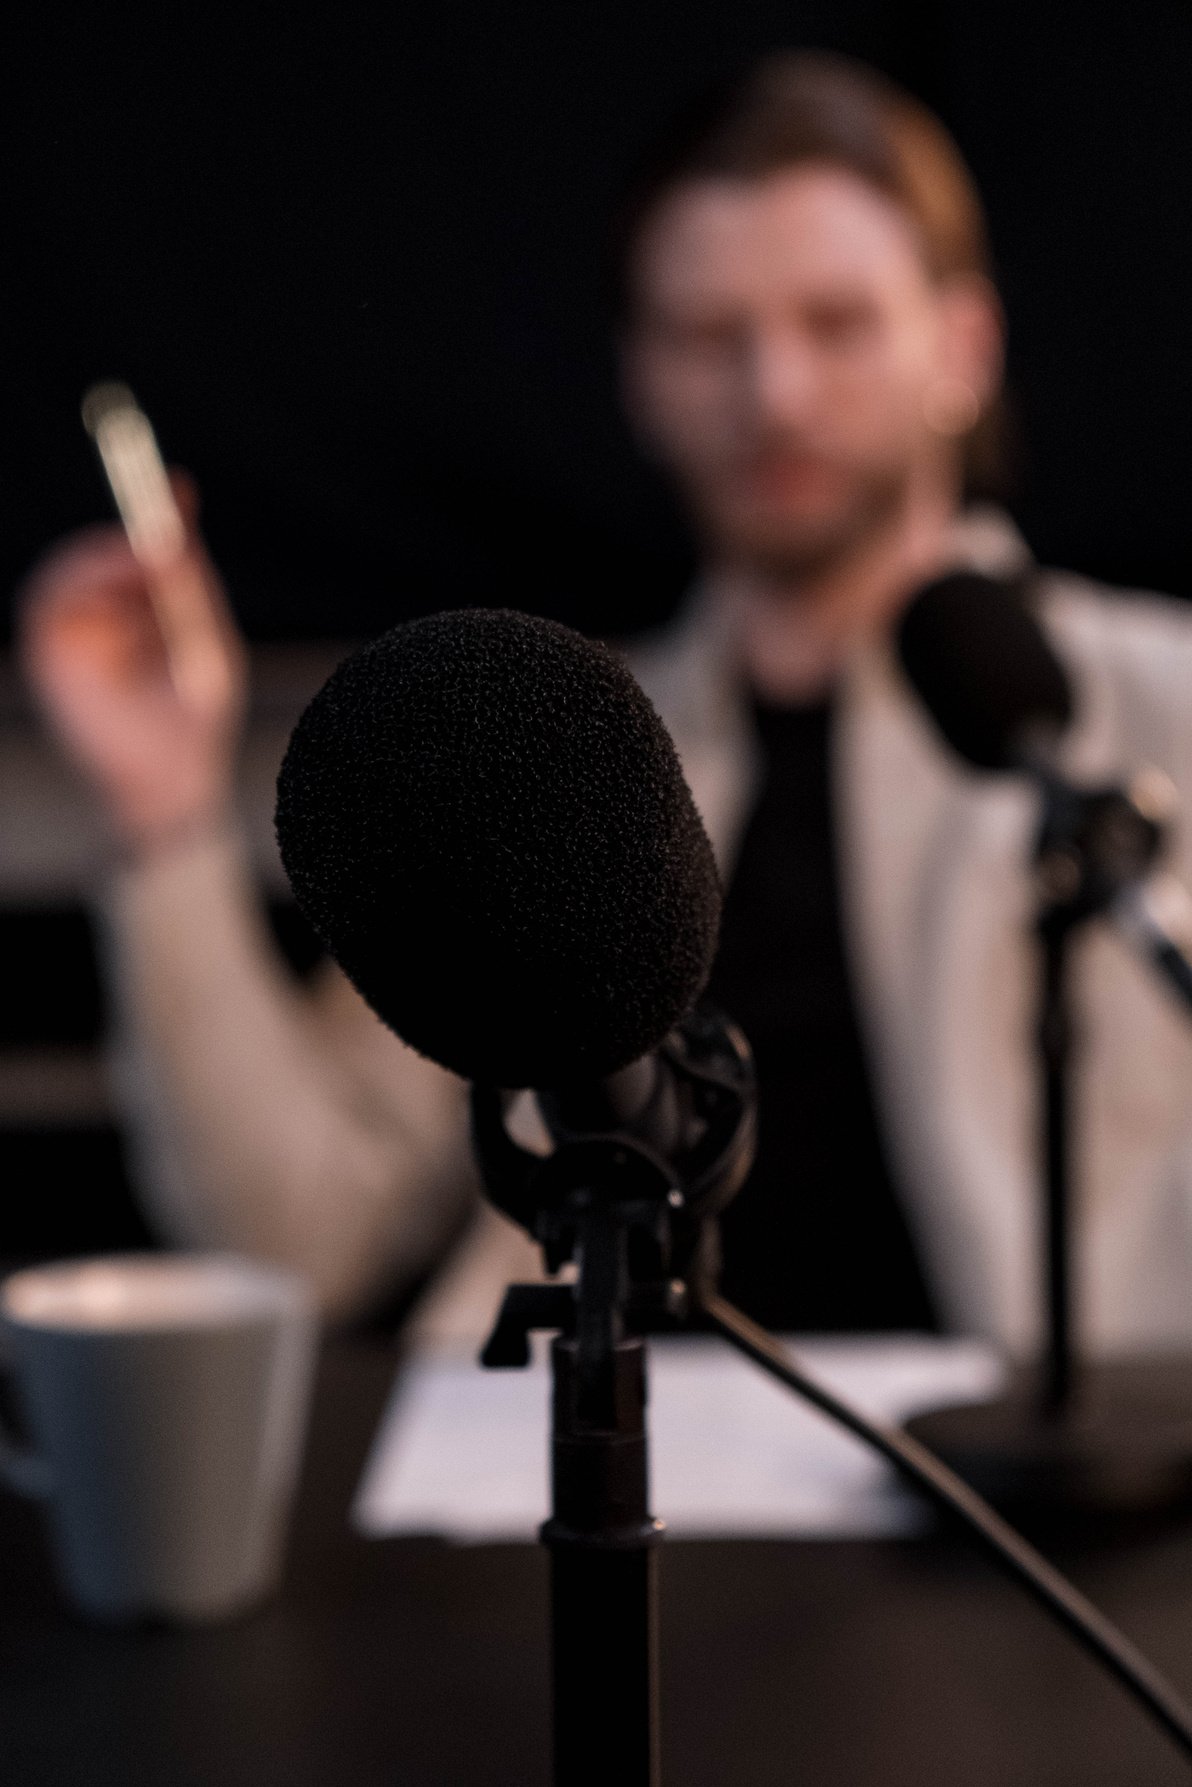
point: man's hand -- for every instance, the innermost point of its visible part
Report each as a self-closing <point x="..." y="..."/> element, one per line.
<point x="154" y="739"/>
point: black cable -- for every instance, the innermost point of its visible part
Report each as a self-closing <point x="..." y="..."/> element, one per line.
<point x="1065" y="1603"/>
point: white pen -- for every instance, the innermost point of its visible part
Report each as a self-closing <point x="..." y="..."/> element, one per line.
<point x="145" y="501"/>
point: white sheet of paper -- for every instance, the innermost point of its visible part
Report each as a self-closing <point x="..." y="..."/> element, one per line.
<point x="462" y="1452"/>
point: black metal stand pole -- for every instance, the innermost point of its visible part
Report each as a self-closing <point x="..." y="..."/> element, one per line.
<point x="1114" y="1436"/>
<point x="631" y="1204"/>
<point x="603" y="1572"/>
<point x="1055" y="1039"/>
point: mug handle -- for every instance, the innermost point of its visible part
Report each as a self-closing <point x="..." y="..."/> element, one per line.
<point x="22" y="1470"/>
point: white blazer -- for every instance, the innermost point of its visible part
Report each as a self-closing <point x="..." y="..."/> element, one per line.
<point x="296" y="1126"/>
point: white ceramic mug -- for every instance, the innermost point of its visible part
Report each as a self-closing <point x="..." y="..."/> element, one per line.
<point x="166" y="1398"/>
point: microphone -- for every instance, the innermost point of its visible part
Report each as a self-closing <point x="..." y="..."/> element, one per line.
<point x="485" y="821"/>
<point x="988" y="677"/>
<point x="985" y="671"/>
<point x="990" y="680"/>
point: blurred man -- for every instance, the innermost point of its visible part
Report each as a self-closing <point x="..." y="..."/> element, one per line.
<point x="811" y="341"/>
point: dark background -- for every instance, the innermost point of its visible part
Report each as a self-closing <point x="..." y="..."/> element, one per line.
<point x="351" y="261"/>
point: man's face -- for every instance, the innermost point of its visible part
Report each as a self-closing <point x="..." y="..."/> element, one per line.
<point x="787" y="355"/>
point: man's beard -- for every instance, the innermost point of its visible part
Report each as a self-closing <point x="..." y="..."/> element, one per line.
<point x="789" y="557"/>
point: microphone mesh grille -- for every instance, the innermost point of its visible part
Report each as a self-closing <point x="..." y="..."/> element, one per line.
<point x="485" y="821"/>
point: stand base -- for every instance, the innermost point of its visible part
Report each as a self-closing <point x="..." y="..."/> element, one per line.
<point x="1122" y="1446"/>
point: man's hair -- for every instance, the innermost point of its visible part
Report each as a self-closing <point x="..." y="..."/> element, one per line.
<point x="811" y="106"/>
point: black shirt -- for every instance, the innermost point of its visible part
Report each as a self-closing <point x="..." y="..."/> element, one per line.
<point x="816" y="1240"/>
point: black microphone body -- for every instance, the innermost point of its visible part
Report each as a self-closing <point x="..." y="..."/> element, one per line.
<point x="984" y="669"/>
<point x="485" y="821"/>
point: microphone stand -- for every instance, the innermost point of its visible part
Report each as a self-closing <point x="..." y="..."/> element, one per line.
<point x="601" y="1536"/>
<point x="1055" y="1037"/>
<point x="1107" y="1438"/>
<point x="635" y="1209"/>
<point x="627" y="1206"/>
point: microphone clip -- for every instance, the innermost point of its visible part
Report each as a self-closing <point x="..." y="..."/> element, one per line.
<point x="1095" y="844"/>
<point x="631" y="1207"/>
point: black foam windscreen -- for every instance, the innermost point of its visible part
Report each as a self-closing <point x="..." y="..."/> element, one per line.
<point x="485" y="821"/>
<point x="983" y="667"/>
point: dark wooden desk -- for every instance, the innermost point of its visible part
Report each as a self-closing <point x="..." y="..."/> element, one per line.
<point x="412" y="1664"/>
